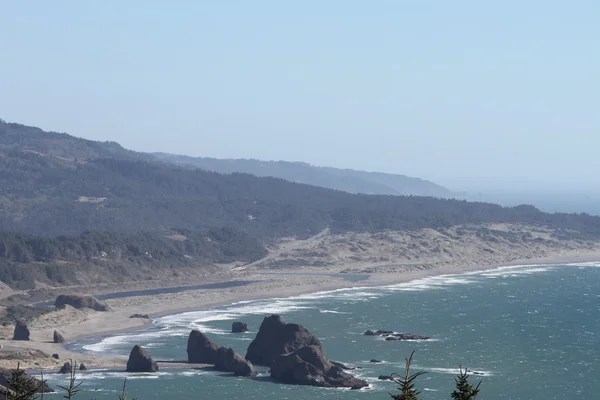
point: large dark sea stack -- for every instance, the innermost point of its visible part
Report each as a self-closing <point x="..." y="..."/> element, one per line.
<point x="58" y="338"/>
<point x="239" y="327"/>
<point x="79" y="302"/>
<point x="309" y="366"/>
<point x="140" y="361"/>
<point x="200" y="349"/>
<point x="230" y="361"/>
<point x="21" y="332"/>
<point x="275" y="338"/>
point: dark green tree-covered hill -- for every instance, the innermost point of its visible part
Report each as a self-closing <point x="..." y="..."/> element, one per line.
<point x="48" y="194"/>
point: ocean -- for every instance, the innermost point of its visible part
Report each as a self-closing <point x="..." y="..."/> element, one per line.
<point x="532" y="331"/>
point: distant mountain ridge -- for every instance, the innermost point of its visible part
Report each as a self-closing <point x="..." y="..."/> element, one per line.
<point x="347" y="180"/>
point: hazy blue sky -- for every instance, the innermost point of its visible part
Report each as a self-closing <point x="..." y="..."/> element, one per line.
<point x="438" y="89"/>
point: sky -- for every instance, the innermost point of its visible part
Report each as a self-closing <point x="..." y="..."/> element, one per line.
<point x="460" y="92"/>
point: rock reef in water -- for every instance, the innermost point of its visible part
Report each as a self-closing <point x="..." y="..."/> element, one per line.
<point x="391" y="335"/>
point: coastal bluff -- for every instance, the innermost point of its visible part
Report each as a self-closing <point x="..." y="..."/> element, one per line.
<point x="80" y="302"/>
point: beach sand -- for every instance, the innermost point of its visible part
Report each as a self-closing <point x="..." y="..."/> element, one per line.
<point x="76" y="324"/>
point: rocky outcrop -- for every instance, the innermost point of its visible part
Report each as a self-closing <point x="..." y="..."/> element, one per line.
<point x="309" y="366"/>
<point x="21" y="332"/>
<point x="239" y="327"/>
<point x="33" y="383"/>
<point x="66" y="368"/>
<point x="56" y="356"/>
<point x="275" y="338"/>
<point x="378" y="333"/>
<point x="230" y="361"/>
<point x="80" y="301"/>
<point x="203" y="350"/>
<point x="385" y="378"/>
<point x="58" y="338"/>
<point x="406" y="336"/>
<point x="82" y="367"/>
<point x="375" y="361"/>
<point x="200" y="349"/>
<point x="391" y="335"/>
<point x="343" y="366"/>
<point x="140" y="361"/>
<point x="144" y="316"/>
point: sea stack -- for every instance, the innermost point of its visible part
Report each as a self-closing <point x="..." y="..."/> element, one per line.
<point x="140" y="361"/>
<point x="21" y="332"/>
<point x="228" y="360"/>
<point x="275" y="338"/>
<point x="200" y="349"/>
<point x="58" y="338"/>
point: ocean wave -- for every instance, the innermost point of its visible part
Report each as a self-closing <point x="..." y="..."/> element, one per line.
<point x="333" y="312"/>
<point x="198" y="318"/>
<point x="433" y="282"/>
<point x="595" y="264"/>
<point x="512" y="272"/>
<point x="455" y="371"/>
<point x="103" y="374"/>
<point x="107" y="343"/>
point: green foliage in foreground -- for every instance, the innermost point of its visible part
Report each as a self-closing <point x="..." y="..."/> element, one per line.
<point x="406" y="384"/>
<point x="22" y="387"/>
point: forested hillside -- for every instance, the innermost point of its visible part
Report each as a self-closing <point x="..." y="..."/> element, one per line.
<point x="25" y="259"/>
<point x="50" y="195"/>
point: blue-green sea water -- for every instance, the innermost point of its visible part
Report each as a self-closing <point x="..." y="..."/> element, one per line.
<point x="534" y="332"/>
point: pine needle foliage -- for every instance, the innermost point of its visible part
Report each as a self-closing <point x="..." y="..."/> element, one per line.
<point x="464" y="390"/>
<point x="73" y="388"/>
<point x="406" y="382"/>
<point x="21" y="386"/>
<point x="123" y="394"/>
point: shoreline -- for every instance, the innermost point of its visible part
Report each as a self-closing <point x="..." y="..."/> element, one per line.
<point x="79" y="324"/>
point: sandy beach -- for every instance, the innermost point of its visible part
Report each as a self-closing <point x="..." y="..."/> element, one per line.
<point x="76" y="324"/>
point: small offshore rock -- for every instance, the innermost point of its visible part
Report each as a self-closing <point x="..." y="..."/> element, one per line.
<point x="391" y="335"/>
<point x="66" y="368"/>
<point x="239" y="327"/>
